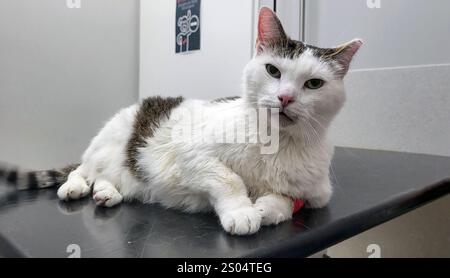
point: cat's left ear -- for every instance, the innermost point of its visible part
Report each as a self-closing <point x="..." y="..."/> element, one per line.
<point x="269" y="29"/>
<point x="344" y="53"/>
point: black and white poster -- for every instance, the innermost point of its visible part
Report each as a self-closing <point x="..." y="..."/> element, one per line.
<point x="187" y="26"/>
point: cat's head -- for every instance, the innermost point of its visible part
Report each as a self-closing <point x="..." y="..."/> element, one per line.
<point x="305" y="82"/>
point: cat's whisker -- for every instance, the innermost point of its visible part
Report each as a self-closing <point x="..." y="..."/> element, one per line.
<point x="319" y="123"/>
<point x="331" y="166"/>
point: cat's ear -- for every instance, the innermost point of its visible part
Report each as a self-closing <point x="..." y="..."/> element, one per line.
<point x="269" y="29"/>
<point x="344" y="53"/>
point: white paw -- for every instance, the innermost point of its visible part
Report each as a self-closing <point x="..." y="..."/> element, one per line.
<point x="74" y="188"/>
<point x="107" y="197"/>
<point x="242" y="221"/>
<point x="273" y="213"/>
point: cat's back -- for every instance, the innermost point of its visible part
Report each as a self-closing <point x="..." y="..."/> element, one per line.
<point x="117" y="144"/>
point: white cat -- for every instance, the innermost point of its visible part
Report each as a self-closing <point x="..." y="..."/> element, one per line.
<point x="137" y="156"/>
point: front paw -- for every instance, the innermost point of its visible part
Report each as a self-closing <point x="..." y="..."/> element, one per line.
<point x="272" y="213"/>
<point x="241" y="221"/>
<point x="73" y="188"/>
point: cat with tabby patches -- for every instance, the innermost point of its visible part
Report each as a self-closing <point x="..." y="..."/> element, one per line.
<point x="135" y="156"/>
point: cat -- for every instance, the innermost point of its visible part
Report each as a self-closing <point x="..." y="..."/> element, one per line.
<point x="136" y="157"/>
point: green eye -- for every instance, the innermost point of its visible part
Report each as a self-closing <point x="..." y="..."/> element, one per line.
<point x="314" y="84"/>
<point x="273" y="71"/>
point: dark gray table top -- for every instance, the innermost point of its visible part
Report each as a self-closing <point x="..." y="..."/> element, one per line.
<point x="371" y="187"/>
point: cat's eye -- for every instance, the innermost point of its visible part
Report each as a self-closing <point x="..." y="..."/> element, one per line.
<point x="314" y="84"/>
<point x="273" y="71"/>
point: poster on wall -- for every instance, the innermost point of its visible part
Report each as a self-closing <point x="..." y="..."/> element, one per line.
<point x="187" y="26"/>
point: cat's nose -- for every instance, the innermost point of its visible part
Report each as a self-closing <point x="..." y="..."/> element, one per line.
<point x="285" y="99"/>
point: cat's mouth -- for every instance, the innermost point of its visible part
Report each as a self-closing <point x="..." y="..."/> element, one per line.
<point x="285" y="119"/>
<point x="282" y="114"/>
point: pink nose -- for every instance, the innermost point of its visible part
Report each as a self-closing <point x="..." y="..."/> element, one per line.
<point x="285" y="99"/>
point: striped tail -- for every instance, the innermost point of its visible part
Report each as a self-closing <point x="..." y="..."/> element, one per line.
<point x="23" y="180"/>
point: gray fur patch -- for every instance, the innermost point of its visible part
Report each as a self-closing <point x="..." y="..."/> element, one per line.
<point x="285" y="48"/>
<point x="148" y="118"/>
<point x="328" y="55"/>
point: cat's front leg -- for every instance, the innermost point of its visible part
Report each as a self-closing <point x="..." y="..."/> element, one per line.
<point x="320" y="196"/>
<point x="274" y="208"/>
<point x="229" y="197"/>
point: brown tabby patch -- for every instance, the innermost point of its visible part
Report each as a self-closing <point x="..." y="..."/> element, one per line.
<point x="151" y="112"/>
<point x="285" y="47"/>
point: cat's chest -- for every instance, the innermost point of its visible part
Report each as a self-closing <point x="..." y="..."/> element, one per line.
<point x="284" y="171"/>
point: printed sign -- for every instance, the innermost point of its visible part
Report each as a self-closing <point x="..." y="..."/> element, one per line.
<point x="187" y="26"/>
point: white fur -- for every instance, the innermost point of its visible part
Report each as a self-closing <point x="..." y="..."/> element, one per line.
<point x="245" y="188"/>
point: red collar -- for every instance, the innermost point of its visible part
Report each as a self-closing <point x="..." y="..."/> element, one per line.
<point x="298" y="204"/>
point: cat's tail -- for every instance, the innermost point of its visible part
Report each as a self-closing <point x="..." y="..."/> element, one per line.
<point x="23" y="179"/>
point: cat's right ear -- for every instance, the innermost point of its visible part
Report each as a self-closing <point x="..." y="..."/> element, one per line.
<point x="269" y="29"/>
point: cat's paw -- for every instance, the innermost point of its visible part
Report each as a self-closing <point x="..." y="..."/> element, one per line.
<point x="272" y="212"/>
<point x="74" y="188"/>
<point x="242" y="221"/>
<point x="107" y="197"/>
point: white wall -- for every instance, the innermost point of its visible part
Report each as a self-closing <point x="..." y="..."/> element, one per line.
<point x="63" y="73"/>
<point x="289" y="11"/>
<point x="399" y="33"/>
<point x="398" y="89"/>
<point x="215" y="70"/>
<point x="397" y="109"/>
